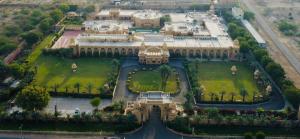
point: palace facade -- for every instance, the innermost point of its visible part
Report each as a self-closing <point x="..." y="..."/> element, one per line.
<point x="130" y="33"/>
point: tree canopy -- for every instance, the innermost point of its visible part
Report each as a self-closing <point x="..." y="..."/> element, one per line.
<point x="32" y="98"/>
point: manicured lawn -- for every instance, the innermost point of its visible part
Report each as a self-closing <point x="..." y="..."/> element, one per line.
<point x="55" y="70"/>
<point x="150" y="80"/>
<point x="216" y="77"/>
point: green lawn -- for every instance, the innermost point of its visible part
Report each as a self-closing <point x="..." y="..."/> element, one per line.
<point x="216" y="77"/>
<point x="54" y="70"/>
<point x="149" y="80"/>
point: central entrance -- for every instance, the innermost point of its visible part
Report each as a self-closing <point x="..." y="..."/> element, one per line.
<point x="153" y="100"/>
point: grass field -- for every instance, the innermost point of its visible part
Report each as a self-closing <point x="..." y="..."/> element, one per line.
<point x="216" y="77"/>
<point x="149" y="80"/>
<point x="54" y="70"/>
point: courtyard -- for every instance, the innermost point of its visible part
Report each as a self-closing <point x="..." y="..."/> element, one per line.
<point x="150" y="80"/>
<point x="216" y="77"/>
<point x="55" y="71"/>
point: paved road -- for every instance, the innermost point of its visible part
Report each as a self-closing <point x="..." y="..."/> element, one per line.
<point x="47" y="136"/>
<point x="68" y="105"/>
<point x="266" y="28"/>
<point x="154" y="129"/>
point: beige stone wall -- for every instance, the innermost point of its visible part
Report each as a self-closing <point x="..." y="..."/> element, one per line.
<point x="147" y="23"/>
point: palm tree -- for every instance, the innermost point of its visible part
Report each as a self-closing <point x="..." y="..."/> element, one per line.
<point x="165" y="72"/>
<point x="77" y="86"/>
<point x="222" y="95"/>
<point x="212" y="95"/>
<point x="55" y="86"/>
<point x="89" y="87"/>
<point x="232" y="96"/>
<point x="67" y="88"/>
<point x="116" y="64"/>
<point x="243" y="93"/>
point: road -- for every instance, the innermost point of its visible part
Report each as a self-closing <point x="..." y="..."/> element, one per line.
<point x="267" y="29"/>
<point x="154" y="129"/>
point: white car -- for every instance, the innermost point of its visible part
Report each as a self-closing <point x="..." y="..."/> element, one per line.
<point x="77" y="111"/>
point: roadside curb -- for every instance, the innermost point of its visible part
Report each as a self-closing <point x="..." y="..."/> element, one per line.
<point x="56" y="132"/>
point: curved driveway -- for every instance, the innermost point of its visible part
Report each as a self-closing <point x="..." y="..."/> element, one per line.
<point x="122" y="93"/>
<point x="276" y="101"/>
<point x="154" y="129"/>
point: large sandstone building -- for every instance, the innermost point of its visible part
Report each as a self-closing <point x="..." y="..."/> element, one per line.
<point x="139" y="33"/>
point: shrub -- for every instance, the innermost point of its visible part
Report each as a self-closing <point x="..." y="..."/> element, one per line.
<point x="260" y="135"/>
<point x="248" y="135"/>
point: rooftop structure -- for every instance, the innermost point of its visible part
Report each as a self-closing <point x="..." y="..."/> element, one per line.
<point x="254" y="33"/>
<point x="194" y="34"/>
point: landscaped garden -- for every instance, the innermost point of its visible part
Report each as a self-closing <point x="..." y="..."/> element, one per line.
<point x="55" y="72"/>
<point x="150" y="79"/>
<point x="217" y="82"/>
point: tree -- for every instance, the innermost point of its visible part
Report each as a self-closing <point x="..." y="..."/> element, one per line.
<point x="265" y="60"/>
<point x="164" y="19"/>
<point x="222" y="95"/>
<point x="95" y="102"/>
<point x="275" y="71"/>
<point x="244" y="47"/>
<point x="77" y="86"/>
<point x="32" y="98"/>
<point x="32" y="37"/>
<point x="46" y="24"/>
<point x="56" y="15"/>
<point x="232" y="96"/>
<point x="16" y="70"/>
<point x="188" y="105"/>
<point x="249" y="15"/>
<point x="3" y="69"/>
<point x="243" y="93"/>
<point x="64" y="8"/>
<point x="12" y="30"/>
<point x="259" y="53"/>
<point x="116" y="64"/>
<point x="248" y="135"/>
<point x="260" y="135"/>
<point x="165" y="72"/>
<point x="6" y="45"/>
<point x="293" y="96"/>
<point x="89" y="87"/>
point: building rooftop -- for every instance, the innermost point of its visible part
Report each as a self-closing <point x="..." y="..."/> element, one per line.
<point x="253" y="32"/>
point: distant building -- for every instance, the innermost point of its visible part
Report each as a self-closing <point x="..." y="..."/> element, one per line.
<point x="237" y="13"/>
<point x="261" y="42"/>
<point x="193" y="34"/>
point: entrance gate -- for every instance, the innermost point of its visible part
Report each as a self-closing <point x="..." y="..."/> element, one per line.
<point x="142" y="107"/>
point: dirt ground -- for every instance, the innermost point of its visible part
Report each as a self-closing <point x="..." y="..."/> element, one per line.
<point x="274" y="11"/>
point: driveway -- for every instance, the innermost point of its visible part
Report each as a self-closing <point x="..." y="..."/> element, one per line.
<point x="122" y="93"/>
<point x="154" y="129"/>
